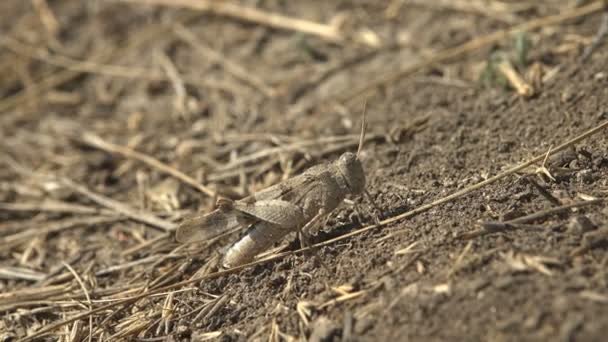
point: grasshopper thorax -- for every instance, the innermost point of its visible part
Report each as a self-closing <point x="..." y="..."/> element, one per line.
<point x="351" y="174"/>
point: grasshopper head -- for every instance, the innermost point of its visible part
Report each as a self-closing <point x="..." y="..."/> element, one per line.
<point x="351" y="172"/>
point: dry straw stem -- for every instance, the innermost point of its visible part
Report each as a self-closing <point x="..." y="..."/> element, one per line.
<point x="21" y="273"/>
<point x="97" y="142"/>
<point x="229" y="65"/>
<point x="121" y="208"/>
<point x="78" y="65"/>
<point x="176" y="80"/>
<point x="226" y="9"/>
<point x="552" y="211"/>
<point x="337" y="142"/>
<point x="91" y="67"/>
<point x="601" y="34"/>
<point x="523" y="89"/>
<point x="470" y="46"/>
<point x="86" y="293"/>
<point x="44" y="228"/>
<point x="492" y="9"/>
<point x="48" y="19"/>
<point x="27" y="294"/>
<point x="53" y="206"/>
<point x="385" y="222"/>
<point x="51" y="81"/>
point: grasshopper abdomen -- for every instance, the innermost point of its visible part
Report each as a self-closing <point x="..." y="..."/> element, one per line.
<point x="259" y="237"/>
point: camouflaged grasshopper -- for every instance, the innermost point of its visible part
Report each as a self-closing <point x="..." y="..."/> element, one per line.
<point x="296" y="204"/>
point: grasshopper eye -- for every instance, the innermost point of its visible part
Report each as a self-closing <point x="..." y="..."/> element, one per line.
<point x="348" y="158"/>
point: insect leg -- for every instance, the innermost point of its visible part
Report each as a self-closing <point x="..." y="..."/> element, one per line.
<point x="373" y="204"/>
<point x="304" y="235"/>
<point x="304" y="232"/>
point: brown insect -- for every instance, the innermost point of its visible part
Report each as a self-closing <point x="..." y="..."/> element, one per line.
<point x="296" y="204"/>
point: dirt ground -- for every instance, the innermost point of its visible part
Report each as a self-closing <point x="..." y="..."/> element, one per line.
<point x="121" y="118"/>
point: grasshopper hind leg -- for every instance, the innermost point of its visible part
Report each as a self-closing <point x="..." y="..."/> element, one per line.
<point x="258" y="238"/>
<point x="305" y="237"/>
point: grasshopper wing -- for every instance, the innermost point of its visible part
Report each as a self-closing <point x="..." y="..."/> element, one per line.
<point x="278" y="212"/>
<point x="201" y="227"/>
<point x="292" y="190"/>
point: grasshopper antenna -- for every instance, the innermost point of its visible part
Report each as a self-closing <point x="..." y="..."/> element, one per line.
<point x="363" y="128"/>
<point x="361" y="140"/>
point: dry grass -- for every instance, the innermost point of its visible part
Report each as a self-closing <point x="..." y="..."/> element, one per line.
<point x="87" y="213"/>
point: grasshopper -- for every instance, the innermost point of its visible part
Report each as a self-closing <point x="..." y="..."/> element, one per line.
<point x="296" y="204"/>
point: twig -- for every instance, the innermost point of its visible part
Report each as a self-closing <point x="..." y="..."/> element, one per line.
<point x="494" y="10"/>
<point x="522" y="87"/>
<point x="181" y="95"/>
<point x="211" y="309"/>
<point x="458" y="261"/>
<point x="543" y="167"/>
<point x="601" y="34"/>
<point x="120" y="267"/>
<point x="137" y="215"/>
<point x="344" y="298"/>
<point x="347" y="140"/>
<point x="8" y="272"/>
<point x="97" y="142"/>
<point x="28" y="84"/>
<point x="278" y="139"/>
<point x="84" y="66"/>
<point x="385" y="222"/>
<point x="48" y="19"/>
<point x="226" y="9"/>
<point x="37" y="293"/>
<point x="57" y="268"/>
<point x="175" y="271"/>
<point x="42" y="305"/>
<point x="53" y="206"/>
<point x="553" y="211"/>
<point x="544" y="192"/>
<point x="47" y="228"/>
<point x="242" y="137"/>
<point x="230" y="66"/>
<point x="520" y="222"/>
<point x="86" y="294"/>
<point x="146" y="244"/>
